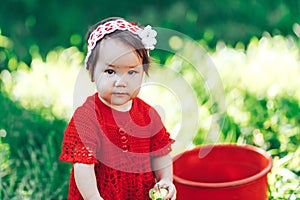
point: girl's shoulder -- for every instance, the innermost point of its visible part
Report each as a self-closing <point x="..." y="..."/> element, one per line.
<point x="89" y="108"/>
<point x="143" y="107"/>
<point x="140" y="104"/>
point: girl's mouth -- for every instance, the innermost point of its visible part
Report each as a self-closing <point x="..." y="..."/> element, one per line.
<point x="120" y="93"/>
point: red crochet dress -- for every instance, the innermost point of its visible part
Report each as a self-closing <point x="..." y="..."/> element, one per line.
<point x="120" y="144"/>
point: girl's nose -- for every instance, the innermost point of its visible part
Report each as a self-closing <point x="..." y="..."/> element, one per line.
<point x="121" y="82"/>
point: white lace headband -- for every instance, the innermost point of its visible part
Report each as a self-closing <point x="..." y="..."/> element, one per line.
<point x="147" y="34"/>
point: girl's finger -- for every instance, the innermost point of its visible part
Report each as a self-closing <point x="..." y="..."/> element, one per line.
<point x="161" y="185"/>
<point x="171" y="193"/>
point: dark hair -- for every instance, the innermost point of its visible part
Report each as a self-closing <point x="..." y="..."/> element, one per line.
<point x="124" y="36"/>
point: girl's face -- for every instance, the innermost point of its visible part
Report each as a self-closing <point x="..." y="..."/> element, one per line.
<point x="118" y="72"/>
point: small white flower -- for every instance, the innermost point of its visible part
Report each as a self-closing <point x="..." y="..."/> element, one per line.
<point x="148" y="37"/>
<point x="2" y="133"/>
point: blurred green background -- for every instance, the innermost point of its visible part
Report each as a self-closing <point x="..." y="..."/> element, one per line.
<point x="255" y="46"/>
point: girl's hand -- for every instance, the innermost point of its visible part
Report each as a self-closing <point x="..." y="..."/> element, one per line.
<point x="167" y="184"/>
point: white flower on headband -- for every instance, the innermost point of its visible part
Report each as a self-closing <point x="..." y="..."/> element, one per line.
<point x="148" y="37"/>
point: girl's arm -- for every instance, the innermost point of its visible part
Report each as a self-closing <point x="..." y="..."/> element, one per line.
<point x="163" y="167"/>
<point x="164" y="174"/>
<point x="86" y="181"/>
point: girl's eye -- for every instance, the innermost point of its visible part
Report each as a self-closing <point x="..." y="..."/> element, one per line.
<point x="131" y="72"/>
<point x="109" y="71"/>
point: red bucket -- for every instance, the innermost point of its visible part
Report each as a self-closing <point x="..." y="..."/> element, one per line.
<point x="222" y="171"/>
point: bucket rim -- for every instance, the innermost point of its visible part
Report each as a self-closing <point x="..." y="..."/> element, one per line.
<point x="243" y="181"/>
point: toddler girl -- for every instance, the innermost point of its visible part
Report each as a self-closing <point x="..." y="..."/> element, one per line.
<point x="117" y="143"/>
